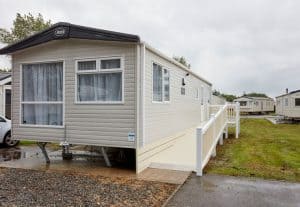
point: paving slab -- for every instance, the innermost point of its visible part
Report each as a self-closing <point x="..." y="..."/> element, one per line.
<point x="164" y="175"/>
<point x="215" y="190"/>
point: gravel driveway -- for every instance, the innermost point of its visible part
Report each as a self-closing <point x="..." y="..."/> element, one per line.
<point x="20" y="187"/>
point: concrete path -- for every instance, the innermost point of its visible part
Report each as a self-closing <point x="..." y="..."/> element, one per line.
<point x="213" y="190"/>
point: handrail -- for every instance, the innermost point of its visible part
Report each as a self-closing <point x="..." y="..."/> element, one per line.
<point x="208" y="135"/>
<point x="212" y="118"/>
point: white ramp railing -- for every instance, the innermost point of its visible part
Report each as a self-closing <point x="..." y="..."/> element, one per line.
<point x="212" y="132"/>
<point x="233" y="114"/>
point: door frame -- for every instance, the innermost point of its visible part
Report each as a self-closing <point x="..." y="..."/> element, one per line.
<point x="5" y="87"/>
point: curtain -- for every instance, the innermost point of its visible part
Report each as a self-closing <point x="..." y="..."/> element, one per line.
<point x="42" y="83"/>
<point x="100" y="87"/>
<point x="87" y="65"/>
<point x="42" y="114"/>
<point x="157" y="83"/>
<point x="166" y="85"/>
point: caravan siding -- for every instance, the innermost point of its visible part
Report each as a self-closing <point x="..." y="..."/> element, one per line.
<point x="255" y="104"/>
<point x="286" y="105"/>
<point x="166" y="119"/>
<point x="88" y="124"/>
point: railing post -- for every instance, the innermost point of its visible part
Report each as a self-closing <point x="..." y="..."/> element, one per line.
<point x="212" y="116"/>
<point x="214" y="133"/>
<point x="237" y="119"/>
<point x="214" y="152"/>
<point x="221" y="139"/>
<point x="199" y="145"/>
<point x="226" y="132"/>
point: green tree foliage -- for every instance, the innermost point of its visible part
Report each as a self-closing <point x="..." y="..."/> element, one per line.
<point x="182" y="60"/>
<point x="216" y="93"/>
<point x="4" y="70"/>
<point x="256" y="94"/>
<point x="229" y="97"/>
<point x="24" y="26"/>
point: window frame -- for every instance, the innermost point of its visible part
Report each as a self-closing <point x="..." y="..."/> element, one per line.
<point x="21" y="102"/>
<point x="163" y="86"/>
<point x="286" y="102"/>
<point x="99" y="71"/>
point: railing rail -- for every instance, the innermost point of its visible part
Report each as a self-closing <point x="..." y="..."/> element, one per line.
<point x="212" y="132"/>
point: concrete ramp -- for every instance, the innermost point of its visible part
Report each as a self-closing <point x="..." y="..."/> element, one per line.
<point x="180" y="156"/>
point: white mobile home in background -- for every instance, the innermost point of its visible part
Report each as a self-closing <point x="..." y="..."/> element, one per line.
<point x="218" y="100"/>
<point x="87" y="86"/>
<point x="255" y="104"/>
<point x="288" y="105"/>
<point x="5" y="94"/>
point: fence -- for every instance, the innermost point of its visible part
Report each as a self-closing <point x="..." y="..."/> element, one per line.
<point x="212" y="132"/>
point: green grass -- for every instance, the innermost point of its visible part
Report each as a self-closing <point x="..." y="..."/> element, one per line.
<point x="263" y="150"/>
<point x="52" y="146"/>
<point x="27" y="143"/>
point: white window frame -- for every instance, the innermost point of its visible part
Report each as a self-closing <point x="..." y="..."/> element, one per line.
<point x="41" y="102"/>
<point x="163" y="88"/>
<point x="286" y="102"/>
<point x="99" y="71"/>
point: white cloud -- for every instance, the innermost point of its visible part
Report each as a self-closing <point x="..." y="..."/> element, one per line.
<point x="238" y="45"/>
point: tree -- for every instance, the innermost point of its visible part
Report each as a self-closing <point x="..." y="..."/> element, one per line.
<point x="182" y="60"/>
<point x="253" y="94"/>
<point x="24" y="26"/>
<point x="229" y="97"/>
<point x="4" y="70"/>
<point x="216" y="93"/>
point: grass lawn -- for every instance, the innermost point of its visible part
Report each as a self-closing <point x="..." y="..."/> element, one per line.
<point x="27" y="143"/>
<point x="52" y="146"/>
<point x="263" y="150"/>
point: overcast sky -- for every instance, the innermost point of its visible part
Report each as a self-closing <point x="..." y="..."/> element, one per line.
<point x="237" y="45"/>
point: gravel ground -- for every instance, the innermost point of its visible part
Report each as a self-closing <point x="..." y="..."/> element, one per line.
<point x="20" y="187"/>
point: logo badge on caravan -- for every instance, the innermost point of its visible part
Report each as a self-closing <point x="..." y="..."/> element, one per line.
<point x="59" y="32"/>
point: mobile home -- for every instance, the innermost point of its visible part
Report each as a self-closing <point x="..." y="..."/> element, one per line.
<point x="255" y="104"/>
<point x="288" y="105"/>
<point x="88" y="86"/>
<point x="5" y="94"/>
<point x="218" y="100"/>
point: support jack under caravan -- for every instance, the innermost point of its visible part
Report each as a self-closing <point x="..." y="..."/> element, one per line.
<point x="67" y="155"/>
<point x="42" y="146"/>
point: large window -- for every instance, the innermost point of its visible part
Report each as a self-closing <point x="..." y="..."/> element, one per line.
<point x="100" y="81"/>
<point x="42" y="94"/>
<point x="297" y="101"/>
<point x="161" y="84"/>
